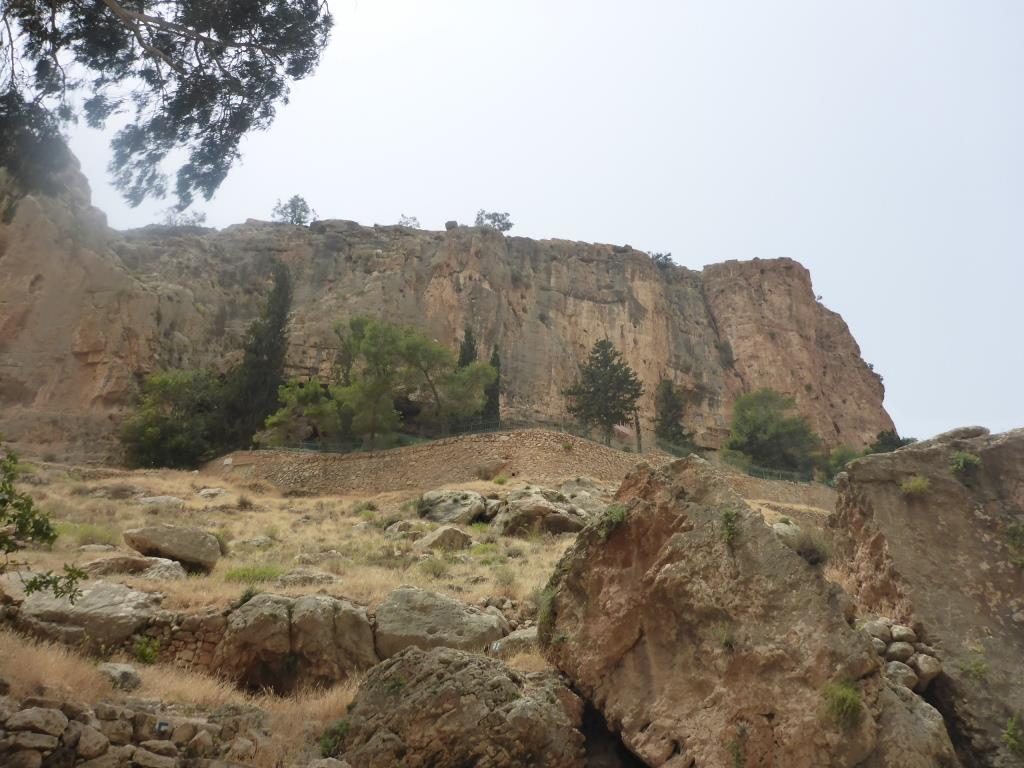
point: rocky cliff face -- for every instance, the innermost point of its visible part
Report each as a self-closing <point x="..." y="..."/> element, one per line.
<point x="85" y="311"/>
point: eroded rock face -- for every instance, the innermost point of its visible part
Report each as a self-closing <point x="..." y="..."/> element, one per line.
<point x="415" y="617"/>
<point x="699" y="635"/>
<point x="105" y="615"/>
<point x="947" y="560"/>
<point x="83" y="310"/>
<point x="449" y="709"/>
<point x="281" y="642"/>
<point x="195" y="549"/>
<point x="454" y="507"/>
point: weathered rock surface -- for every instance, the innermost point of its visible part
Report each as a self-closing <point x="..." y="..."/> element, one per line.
<point x="281" y="642"/>
<point x="122" y="676"/>
<point x="520" y="641"/>
<point x="449" y="709"/>
<point x="455" y="507"/>
<point x="195" y="549"/>
<point x="415" y="617"/>
<point x="83" y="310"/>
<point x="538" y="510"/>
<point x="447" y="538"/>
<point x="699" y="635"/>
<point x="948" y="561"/>
<point x="105" y="615"/>
<point x="155" y="568"/>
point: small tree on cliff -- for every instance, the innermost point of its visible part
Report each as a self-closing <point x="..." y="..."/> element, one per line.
<point x="669" y="411"/>
<point x="295" y="211"/>
<point x="467" y="349"/>
<point x="765" y="430"/>
<point x="606" y="392"/>
<point x="493" y="220"/>
<point x="888" y="440"/>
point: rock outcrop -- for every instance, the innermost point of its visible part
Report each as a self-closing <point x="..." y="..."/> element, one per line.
<point x="537" y="510"/>
<point x="449" y="709"/>
<point x="949" y="557"/>
<point x="84" y="310"/>
<point x="705" y="641"/>
<point x="195" y="549"/>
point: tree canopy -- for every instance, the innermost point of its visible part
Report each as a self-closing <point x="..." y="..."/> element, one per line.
<point x="494" y="220"/>
<point x="191" y="76"/>
<point x="669" y="412"/>
<point x="606" y="391"/>
<point x="294" y="211"/>
<point x="765" y="430"/>
<point x="889" y="440"/>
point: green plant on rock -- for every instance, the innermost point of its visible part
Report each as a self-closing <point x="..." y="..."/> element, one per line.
<point x="730" y="526"/>
<point x="915" y="487"/>
<point x="965" y="465"/>
<point x="613" y="517"/>
<point x="976" y="668"/>
<point x="545" y="610"/>
<point x="1013" y="737"/>
<point x="333" y="739"/>
<point x="146" y="649"/>
<point x="843" y="704"/>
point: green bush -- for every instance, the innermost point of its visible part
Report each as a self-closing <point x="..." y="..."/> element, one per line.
<point x="253" y="574"/>
<point x="915" y="487"/>
<point x="435" y="568"/>
<point x="842" y="702"/>
<point x="146" y="649"/>
<point x="500" y="480"/>
<point x="964" y="464"/>
<point x="613" y="517"/>
<point x="1013" y="737"/>
<point x="545" y="610"/>
<point x="764" y="429"/>
<point x="333" y="739"/>
<point x="730" y="526"/>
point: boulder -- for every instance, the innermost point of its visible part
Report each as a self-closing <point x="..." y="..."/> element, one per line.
<point x="162" y="501"/>
<point x="280" y="642"/>
<point x="415" y="617"/>
<point x="945" y="566"/>
<point x="926" y="667"/>
<point x="699" y="635"/>
<point x="104" y="616"/>
<point x="901" y="674"/>
<point x="195" y="549"/>
<point x="210" y="493"/>
<point x="122" y="676"/>
<point x="910" y="734"/>
<point x="458" y="507"/>
<point x="539" y="509"/>
<point x="39" y="720"/>
<point x="450" y="709"/>
<point x="447" y="538"/>
<point x="520" y="641"/>
<point x="155" y="568"/>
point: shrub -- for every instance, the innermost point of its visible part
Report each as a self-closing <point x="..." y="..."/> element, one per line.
<point x="333" y="739"/>
<point x="361" y="507"/>
<point x="500" y="480"/>
<point x="504" y="577"/>
<point x="964" y="464"/>
<point x="247" y="594"/>
<point x="253" y="574"/>
<point x="730" y="526"/>
<point x="976" y="668"/>
<point x="567" y="446"/>
<point x="1013" y="737"/>
<point x="146" y="649"/>
<point x="435" y="568"/>
<point x="545" y="610"/>
<point x="726" y="637"/>
<point x="765" y="428"/>
<point x="915" y="487"/>
<point x="244" y="503"/>
<point x="812" y="547"/>
<point x="842" y="701"/>
<point x="613" y="517"/>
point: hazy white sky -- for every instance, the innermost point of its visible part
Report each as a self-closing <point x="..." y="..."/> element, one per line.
<point x="880" y="143"/>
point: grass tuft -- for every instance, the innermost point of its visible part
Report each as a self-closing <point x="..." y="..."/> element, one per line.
<point x="915" y="487"/>
<point x="842" y="701"/>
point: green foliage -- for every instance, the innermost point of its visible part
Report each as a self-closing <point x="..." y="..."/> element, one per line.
<point x="333" y="739"/>
<point x="837" y="460"/>
<point x="730" y="526"/>
<point x="493" y="220"/>
<point x="669" y="411"/>
<point x="467" y="349"/>
<point x="843" y="704"/>
<point x="976" y="667"/>
<point x="295" y="211"/>
<point x="247" y="594"/>
<point x="174" y="426"/>
<point x="253" y="574"/>
<point x="491" y="412"/>
<point x="408" y="221"/>
<point x="764" y="430"/>
<point x="726" y="638"/>
<point x="435" y="568"/>
<point x="915" y="487"/>
<point x="606" y="392"/>
<point x="546" y="611"/>
<point x="612" y="518"/>
<point x="146" y="649"/>
<point x="887" y="441"/>
<point x="184" y="79"/>
<point x="1013" y="737"/>
<point x="662" y="261"/>
<point x="22" y="525"/>
<point x="307" y="412"/>
<point x="500" y="480"/>
<point x="965" y="465"/>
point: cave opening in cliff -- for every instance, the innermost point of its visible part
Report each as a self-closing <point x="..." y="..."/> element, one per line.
<point x="604" y="747"/>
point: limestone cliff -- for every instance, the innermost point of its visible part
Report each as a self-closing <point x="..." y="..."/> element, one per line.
<point x="85" y="311"/>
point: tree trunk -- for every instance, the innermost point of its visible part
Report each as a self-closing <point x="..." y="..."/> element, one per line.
<point x="636" y="426"/>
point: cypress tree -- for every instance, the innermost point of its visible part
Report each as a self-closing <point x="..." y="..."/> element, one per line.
<point x="467" y="350"/>
<point x="492" y="405"/>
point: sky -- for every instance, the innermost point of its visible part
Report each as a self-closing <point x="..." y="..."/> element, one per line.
<point x="879" y="143"/>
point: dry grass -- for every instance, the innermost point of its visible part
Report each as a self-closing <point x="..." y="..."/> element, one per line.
<point x="34" y="668"/>
<point x="528" y="661"/>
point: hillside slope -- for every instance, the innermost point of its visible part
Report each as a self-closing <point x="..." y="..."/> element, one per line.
<point x="85" y="311"/>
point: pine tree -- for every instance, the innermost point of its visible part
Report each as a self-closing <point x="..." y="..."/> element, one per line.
<point x="492" y="404"/>
<point x="467" y="350"/>
<point x="669" y="411"/>
<point x="606" y="392"/>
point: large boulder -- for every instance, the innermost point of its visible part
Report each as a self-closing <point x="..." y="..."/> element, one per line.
<point x="155" y="568"/>
<point x="195" y="549"/>
<point x="538" y="510"/>
<point x="947" y="563"/>
<point x="456" y="507"/>
<point x="705" y="641"/>
<point x="104" y="616"/>
<point x="280" y="642"/>
<point x="415" y="617"/>
<point x="449" y="709"/>
<point x="447" y="538"/>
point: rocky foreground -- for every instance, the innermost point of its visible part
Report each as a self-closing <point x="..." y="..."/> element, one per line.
<point x="683" y="630"/>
